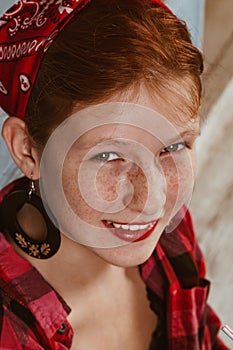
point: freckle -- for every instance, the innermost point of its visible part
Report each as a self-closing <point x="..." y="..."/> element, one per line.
<point x="111" y="189"/>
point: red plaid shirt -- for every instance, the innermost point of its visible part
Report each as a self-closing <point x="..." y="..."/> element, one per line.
<point x="34" y="317"/>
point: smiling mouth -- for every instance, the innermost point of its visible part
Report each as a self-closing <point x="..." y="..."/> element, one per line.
<point x="131" y="232"/>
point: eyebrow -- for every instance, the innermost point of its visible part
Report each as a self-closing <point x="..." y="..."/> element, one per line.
<point x="121" y="142"/>
<point x="191" y="132"/>
<point x="194" y="133"/>
<point x="106" y="140"/>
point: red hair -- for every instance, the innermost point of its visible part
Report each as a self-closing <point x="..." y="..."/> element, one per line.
<point x="111" y="46"/>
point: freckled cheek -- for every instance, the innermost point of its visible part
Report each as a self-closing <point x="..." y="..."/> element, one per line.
<point x="179" y="175"/>
<point x="112" y="179"/>
<point x="76" y="200"/>
<point x="107" y="181"/>
<point x="71" y="185"/>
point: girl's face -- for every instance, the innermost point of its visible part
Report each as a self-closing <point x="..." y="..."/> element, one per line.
<point x="119" y="173"/>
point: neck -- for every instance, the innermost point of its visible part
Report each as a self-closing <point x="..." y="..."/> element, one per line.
<point x="76" y="268"/>
<point x="86" y="282"/>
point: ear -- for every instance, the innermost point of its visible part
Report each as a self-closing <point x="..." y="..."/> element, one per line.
<point x="26" y="157"/>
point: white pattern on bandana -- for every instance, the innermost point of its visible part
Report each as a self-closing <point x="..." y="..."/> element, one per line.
<point x="3" y="89"/>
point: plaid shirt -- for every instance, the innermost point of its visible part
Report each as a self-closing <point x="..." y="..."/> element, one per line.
<point x="34" y="317"/>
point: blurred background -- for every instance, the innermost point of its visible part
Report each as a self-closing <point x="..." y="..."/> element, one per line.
<point x="212" y="202"/>
<point x="211" y="26"/>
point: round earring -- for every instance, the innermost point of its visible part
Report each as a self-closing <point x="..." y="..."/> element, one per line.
<point x="10" y="207"/>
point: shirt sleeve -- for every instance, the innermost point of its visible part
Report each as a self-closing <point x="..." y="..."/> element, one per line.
<point x="17" y="327"/>
<point x="212" y="323"/>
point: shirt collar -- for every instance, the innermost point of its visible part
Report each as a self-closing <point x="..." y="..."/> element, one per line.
<point x="23" y="283"/>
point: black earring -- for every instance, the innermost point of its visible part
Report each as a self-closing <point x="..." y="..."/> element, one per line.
<point x="10" y="206"/>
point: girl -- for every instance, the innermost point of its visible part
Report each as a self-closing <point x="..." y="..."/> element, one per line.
<point x="97" y="247"/>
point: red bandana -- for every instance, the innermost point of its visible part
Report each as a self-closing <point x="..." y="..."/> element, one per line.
<point x="27" y="30"/>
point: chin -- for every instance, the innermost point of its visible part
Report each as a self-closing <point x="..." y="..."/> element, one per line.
<point x="129" y="255"/>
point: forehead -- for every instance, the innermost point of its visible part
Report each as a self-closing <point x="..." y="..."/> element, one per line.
<point x="165" y="117"/>
<point x="176" y="100"/>
<point x="144" y="124"/>
<point x="125" y="121"/>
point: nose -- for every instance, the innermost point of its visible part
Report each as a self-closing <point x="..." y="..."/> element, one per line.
<point x="149" y="189"/>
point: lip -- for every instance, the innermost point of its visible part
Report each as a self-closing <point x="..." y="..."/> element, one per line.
<point x="131" y="236"/>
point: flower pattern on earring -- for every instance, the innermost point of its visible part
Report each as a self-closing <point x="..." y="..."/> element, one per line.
<point x="34" y="249"/>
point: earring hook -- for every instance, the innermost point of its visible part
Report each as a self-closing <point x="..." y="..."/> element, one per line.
<point x="32" y="188"/>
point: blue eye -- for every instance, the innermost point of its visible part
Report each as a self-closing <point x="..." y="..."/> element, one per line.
<point x="106" y="156"/>
<point x="175" y="147"/>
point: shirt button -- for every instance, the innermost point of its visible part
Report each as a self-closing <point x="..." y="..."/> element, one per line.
<point x="63" y="328"/>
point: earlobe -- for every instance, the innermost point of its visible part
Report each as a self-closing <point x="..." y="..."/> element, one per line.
<point x="18" y="141"/>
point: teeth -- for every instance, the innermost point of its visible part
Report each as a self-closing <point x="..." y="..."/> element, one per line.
<point x="131" y="227"/>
